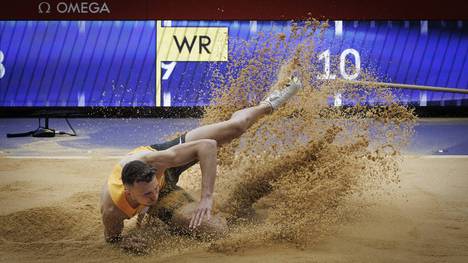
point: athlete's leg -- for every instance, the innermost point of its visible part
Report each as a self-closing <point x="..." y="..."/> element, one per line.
<point x="240" y="121"/>
<point x="224" y="132"/>
<point x="217" y="225"/>
<point x="176" y="207"/>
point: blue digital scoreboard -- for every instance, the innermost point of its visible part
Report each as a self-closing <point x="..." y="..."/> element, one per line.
<point x="166" y="63"/>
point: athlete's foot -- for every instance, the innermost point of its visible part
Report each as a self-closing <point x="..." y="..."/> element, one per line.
<point x="279" y="97"/>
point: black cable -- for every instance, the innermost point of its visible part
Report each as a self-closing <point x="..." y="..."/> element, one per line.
<point x="69" y="125"/>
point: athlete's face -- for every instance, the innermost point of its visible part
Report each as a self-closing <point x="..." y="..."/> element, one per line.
<point x="145" y="193"/>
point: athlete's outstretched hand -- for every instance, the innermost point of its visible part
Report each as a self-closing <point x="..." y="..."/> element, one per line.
<point x="203" y="209"/>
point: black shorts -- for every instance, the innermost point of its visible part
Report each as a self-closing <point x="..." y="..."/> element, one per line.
<point x="171" y="196"/>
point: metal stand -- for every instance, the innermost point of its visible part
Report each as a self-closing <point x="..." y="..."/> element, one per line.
<point x="42" y="131"/>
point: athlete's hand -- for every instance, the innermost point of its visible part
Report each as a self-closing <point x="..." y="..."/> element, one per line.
<point x="203" y="209"/>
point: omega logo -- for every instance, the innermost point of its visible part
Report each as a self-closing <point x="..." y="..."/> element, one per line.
<point x="74" y="8"/>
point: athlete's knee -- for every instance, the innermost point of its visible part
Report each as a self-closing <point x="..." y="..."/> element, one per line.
<point x="216" y="226"/>
<point x="209" y="144"/>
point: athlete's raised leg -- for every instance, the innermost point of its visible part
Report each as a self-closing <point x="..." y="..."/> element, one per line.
<point x="240" y="121"/>
<point x="224" y="132"/>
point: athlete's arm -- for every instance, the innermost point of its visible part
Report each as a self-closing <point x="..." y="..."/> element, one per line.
<point x="205" y="152"/>
<point x="202" y="150"/>
<point x="112" y="217"/>
<point x="113" y="220"/>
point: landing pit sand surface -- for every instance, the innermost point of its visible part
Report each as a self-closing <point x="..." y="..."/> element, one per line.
<point x="50" y="214"/>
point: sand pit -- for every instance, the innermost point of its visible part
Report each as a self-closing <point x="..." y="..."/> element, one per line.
<point x="50" y="213"/>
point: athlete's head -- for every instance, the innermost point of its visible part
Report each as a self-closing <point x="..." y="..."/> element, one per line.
<point x="140" y="182"/>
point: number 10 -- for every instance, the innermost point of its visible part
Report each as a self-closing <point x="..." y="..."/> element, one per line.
<point x="325" y="55"/>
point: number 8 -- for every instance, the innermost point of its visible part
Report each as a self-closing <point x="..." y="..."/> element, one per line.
<point x="2" y="68"/>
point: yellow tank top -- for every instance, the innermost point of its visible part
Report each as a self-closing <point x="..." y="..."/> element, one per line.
<point x="116" y="187"/>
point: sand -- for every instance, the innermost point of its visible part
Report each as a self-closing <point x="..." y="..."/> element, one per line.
<point x="306" y="183"/>
<point x="50" y="214"/>
<point x="305" y="161"/>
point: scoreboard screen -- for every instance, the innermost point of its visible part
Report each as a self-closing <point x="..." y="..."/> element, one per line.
<point x="166" y="63"/>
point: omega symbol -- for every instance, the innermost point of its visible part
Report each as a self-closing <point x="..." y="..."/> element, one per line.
<point x="43" y="7"/>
